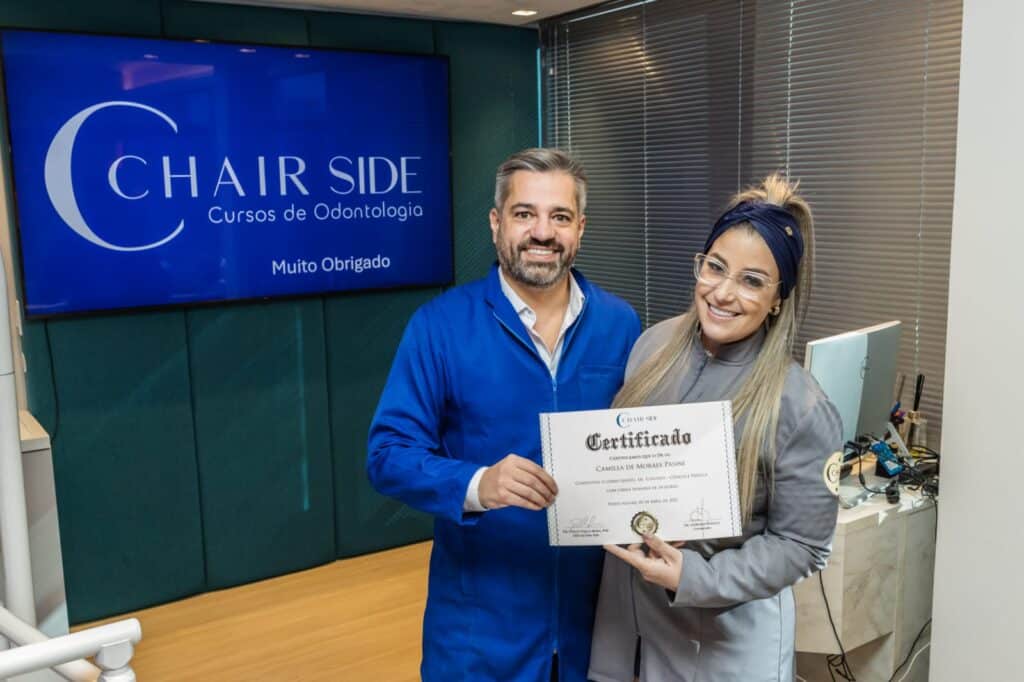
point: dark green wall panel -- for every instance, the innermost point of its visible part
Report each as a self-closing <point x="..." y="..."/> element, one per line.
<point x="494" y="111"/>
<point x="260" y="400"/>
<point x="233" y="22"/>
<point x="124" y="463"/>
<point x="362" y="335"/>
<point x="38" y="376"/>
<point x="364" y="32"/>
<point x="139" y="17"/>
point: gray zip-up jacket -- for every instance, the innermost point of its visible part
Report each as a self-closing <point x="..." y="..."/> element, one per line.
<point x="732" y="617"/>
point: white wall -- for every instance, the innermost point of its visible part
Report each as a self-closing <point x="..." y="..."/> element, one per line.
<point x="979" y="570"/>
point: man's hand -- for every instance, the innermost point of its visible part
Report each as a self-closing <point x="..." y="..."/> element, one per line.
<point x="662" y="565"/>
<point x="516" y="482"/>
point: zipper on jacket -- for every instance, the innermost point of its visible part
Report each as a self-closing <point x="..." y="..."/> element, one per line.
<point x="705" y="358"/>
<point x="555" y="619"/>
<point x="570" y="333"/>
<point x="634" y="573"/>
<point x="554" y="408"/>
<point x="633" y="577"/>
<point x="527" y="343"/>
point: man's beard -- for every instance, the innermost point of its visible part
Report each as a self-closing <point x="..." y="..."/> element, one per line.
<point x="540" y="275"/>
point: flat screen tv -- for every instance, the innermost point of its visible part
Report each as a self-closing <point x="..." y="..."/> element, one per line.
<point x="157" y="172"/>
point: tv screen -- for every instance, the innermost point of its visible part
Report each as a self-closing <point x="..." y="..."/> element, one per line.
<point x="156" y="172"/>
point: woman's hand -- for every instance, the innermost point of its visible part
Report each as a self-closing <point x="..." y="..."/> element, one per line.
<point x="662" y="565"/>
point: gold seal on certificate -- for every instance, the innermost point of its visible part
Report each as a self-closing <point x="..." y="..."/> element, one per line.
<point x="644" y="523"/>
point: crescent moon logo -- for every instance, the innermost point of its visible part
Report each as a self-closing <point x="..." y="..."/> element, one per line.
<point x="57" y="173"/>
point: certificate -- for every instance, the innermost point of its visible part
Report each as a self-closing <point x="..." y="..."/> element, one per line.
<point x="621" y="473"/>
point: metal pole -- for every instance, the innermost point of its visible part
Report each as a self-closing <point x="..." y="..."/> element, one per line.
<point x="125" y="634"/>
<point x="18" y="592"/>
<point x="20" y="634"/>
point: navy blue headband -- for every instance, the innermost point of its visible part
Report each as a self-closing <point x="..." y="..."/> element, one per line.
<point x="777" y="227"/>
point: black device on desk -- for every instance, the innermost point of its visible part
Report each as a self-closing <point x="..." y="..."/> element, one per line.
<point x="918" y="389"/>
<point x="892" y="491"/>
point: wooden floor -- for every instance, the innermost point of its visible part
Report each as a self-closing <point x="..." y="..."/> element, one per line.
<point x="356" y="619"/>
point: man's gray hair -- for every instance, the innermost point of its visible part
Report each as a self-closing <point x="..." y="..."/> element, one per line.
<point x="540" y="160"/>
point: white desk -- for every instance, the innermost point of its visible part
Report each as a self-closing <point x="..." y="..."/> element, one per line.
<point x="879" y="588"/>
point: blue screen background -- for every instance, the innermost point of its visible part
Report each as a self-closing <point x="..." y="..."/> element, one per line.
<point x="230" y="102"/>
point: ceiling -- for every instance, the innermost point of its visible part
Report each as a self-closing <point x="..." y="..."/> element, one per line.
<point x="487" y="11"/>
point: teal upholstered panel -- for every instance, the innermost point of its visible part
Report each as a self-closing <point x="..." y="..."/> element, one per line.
<point x="365" y="32"/>
<point x="124" y="462"/>
<point x="259" y="393"/>
<point x="138" y="17"/>
<point x="243" y="23"/>
<point x="362" y="335"/>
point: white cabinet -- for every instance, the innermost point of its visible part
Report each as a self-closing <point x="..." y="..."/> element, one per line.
<point x="879" y="588"/>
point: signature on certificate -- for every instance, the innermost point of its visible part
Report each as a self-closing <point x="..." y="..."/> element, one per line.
<point x="583" y="522"/>
<point x="700" y="514"/>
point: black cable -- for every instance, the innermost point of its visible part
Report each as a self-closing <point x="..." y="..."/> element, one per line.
<point x="926" y="481"/>
<point x="935" y="502"/>
<point x="928" y="484"/>
<point x="53" y="385"/>
<point x="914" y="479"/>
<point x="912" y="647"/>
<point x="863" y="482"/>
<point x="837" y="662"/>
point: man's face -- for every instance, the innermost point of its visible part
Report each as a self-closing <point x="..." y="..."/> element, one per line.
<point x="539" y="228"/>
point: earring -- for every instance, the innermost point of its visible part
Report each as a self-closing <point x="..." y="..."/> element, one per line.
<point x="776" y="310"/>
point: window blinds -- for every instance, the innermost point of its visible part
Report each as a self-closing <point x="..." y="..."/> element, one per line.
<point x="674" y="106"/>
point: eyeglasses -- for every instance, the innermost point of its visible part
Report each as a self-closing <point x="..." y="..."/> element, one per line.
<point x="750" y="285"/>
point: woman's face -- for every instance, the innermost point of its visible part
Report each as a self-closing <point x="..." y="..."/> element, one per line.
<point x="725" y="315"/>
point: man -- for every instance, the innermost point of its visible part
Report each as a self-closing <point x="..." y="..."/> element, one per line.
<point x="457" y="434"/>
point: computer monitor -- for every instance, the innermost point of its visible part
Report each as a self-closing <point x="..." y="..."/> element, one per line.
<point x="857" y="371"/>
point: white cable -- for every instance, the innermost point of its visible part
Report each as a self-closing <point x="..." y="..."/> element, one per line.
<point x="914" y="659"/>
<point x="800" y="679"/>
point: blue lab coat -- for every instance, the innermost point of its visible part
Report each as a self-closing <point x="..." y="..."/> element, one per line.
<point x="465" y="390"/>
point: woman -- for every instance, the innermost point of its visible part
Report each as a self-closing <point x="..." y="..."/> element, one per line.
<point x="723" y="610"/>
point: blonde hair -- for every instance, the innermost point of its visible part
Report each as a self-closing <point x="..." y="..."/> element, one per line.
<point x="760" y="396"/>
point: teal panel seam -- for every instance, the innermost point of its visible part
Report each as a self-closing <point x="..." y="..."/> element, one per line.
<point x="53" y="383"/>
<point x="300" y="362"/>
<point x="195" y="447"/>
<point x="330" y="427"/>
